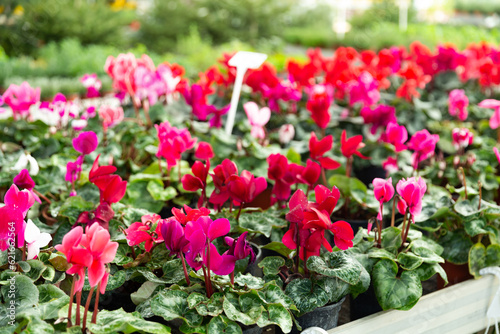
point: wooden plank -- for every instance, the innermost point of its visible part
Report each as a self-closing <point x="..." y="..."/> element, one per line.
<point x="458" y="309"/>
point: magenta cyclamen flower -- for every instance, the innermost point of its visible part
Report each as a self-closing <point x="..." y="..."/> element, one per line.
<point x="379" y="117"/>
<point x="173" y="142"/>
<point x="492" y="104"/>
<point x="424" y="145"/>
<point x="383" y="191"/>
<point x="240" y="248"/>
<point x="86" y="142"/>
<point x="396" y="135"/>
<point x="364" y="90"/>
<point x="412" y="191"/>
<point x="458" y="103"/>
<point x="24" y="181"/>
<point x="173" y="234"/>
<point x="200" y="234"/>
<point x="462" y="138"/>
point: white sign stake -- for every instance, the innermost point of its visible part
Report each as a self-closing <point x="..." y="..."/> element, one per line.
<point x="242" y="60"/>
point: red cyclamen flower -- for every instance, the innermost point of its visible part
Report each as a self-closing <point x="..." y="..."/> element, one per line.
<point x="318" y="148"/>
<point x="350" y="146"/>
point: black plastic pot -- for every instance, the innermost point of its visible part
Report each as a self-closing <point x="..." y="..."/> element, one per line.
<point x="368" y="173"/>
<point x="364" y="304"/>
<point x="253" y="268"/>
<point x="325" y="317"/>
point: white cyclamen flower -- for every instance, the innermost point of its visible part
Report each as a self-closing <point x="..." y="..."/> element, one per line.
<point x="34" y="239"/>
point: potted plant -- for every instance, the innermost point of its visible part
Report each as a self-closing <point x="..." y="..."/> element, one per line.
<point x="317" y="283"/>
<point x="399" y="258"/>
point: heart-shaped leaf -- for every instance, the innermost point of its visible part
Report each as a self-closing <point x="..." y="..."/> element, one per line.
<point x="395" y="292"/>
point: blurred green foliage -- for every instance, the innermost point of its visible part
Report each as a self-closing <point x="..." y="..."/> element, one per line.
<point x="44" y="21"/>
<point x="217" y="21"/>
<point x="478" y="6"/>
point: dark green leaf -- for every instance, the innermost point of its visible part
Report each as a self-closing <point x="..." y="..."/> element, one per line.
<point x="395" y="292"/>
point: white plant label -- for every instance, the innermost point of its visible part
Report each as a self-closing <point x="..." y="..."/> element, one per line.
<point x="242" y="60"/>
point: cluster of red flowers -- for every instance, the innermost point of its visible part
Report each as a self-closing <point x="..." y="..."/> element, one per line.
<point x="111" y="188"/>
<point x="310" y="220"/>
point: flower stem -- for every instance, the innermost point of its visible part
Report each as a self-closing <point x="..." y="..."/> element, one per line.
<point x="24" y="250"/>
<point x="323" y="177"/>
<point x="208" y="270"/>
<point x="461" y="170"/>
<point x="78" y="302"/>
<point x="87" y="304"/>
<point x="407" y="230"/>
<point x="403" y="229"/>
<point x="42" y="196"/>
<point x="393" y="210"/>
<point x="71" y="296"/>
<point x="348" y="167"/>
<point x="232" y="278"/>
<point x="145" y="105"/>
<point x="480" y="186"/>
<point x="96" y="303"/>
<point x="188" y="282"/>
<point x="239" y="212"/>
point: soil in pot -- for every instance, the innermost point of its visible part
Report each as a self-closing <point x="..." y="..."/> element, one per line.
<point x="456" y="273"/>
<point x="325" y="317"/>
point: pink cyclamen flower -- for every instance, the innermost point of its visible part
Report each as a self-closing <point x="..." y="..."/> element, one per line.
<point x="424" y="145"/>
<point x="173" y="142"/>
<point x="97" y="241"/>
<point x="286" y="133"/>
<point x="412" y="191"/>
<point x="86" y="142"/>
<point x="140" y="232"/>
<point x="258" y="118"/>
<point x="497" y="154"/>
<point x="457" y="104"/>
<point x="390" y="165"/>
<point x="462" y="138"/>
<point x="73" y="170"/>
<point x="92" y="83"/>
<point x="11" y="217"/>
<point x="110" y="116"/>
<point x="383" y="191"/>
<point x="396" y="135"/>
<point x="21" y="98"/>
<point x="78" y="257"/>
<point x="379" y="117"/>
<point x="21" y="200"/>
<point x="364" y="90"/>
<point x="492" y="104"/>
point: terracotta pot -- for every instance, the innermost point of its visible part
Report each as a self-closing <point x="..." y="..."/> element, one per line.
<point x="456" y="273"/>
